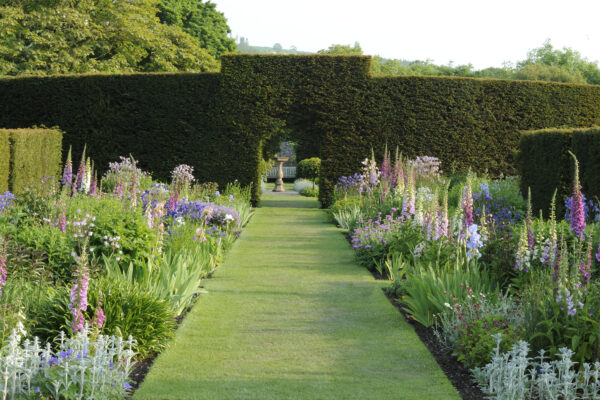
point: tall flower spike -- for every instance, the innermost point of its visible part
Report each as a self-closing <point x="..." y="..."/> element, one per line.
<point x="396" y="171"/>
<point x="467" y="205"/>
<point x="80" y="173"/>
<point x="445" y="225"/>
<point x="586" y="265"/>
<point x="67" y="179"/>
<point x="386" y="171"/>
<point x="79" y="292"/>
<point x="411" y="192"/>
<point x="2" y="263"/>
<point x="577" y="206"/>
<point x="529" y="221"/>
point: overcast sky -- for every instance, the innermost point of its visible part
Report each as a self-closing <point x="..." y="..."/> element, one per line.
<point x="481" y="32"/>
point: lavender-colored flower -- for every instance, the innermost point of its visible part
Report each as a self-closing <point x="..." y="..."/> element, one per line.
<point x="67" y="178"/>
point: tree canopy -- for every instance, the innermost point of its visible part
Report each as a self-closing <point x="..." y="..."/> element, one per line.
<point x="66" y="36"/>
<point x="342" y="49"/>
<point x="200" y="20"/>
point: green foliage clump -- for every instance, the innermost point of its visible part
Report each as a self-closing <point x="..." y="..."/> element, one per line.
<point x="31" y="155"/>
<point x="310" y="192"/>
<point x="128" y="309"/>
<point x="475" y="344"/>
<point x="136" y="241"/>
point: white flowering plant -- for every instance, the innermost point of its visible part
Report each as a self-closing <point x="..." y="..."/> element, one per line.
<point x="82" y="367"/>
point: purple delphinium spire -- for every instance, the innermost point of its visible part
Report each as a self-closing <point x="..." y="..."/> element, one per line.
<point x="67" y="179"/>
<point x="578" y="208"/>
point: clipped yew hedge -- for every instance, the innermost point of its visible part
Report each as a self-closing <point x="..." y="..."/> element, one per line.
<point x="545" y="164"/>
<point x="161" y="119"/>
<point x="27" y="156"/>
<point x="219" y="123"/>
<point x="4" y="160"/>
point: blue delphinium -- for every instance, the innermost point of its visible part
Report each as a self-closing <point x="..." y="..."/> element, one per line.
<point x="6" y="201"/>
<point x="349" y="183"/>
<point x="499" y="212"/>
<point x="474" y="242"/>
<point x="591" y="210"/>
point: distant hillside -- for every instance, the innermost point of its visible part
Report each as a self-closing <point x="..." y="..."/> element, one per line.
<point x="244" y="46"/>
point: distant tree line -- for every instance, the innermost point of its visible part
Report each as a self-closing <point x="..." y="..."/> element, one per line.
<point x="544" y="63"/>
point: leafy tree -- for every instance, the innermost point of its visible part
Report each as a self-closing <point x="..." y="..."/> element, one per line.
<point x="342" y="49"/>
<point x="62" y="36"/>
<point x="551" y="73"/>
<point x="566" y="65"/>
<point x="309" y="168"/>
<point x="200" y="20"/>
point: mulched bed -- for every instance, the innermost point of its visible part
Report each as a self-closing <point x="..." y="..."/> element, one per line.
<point x="456" y="372"/>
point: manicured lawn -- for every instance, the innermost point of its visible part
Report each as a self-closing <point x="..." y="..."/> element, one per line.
<point x="290" y="316"/>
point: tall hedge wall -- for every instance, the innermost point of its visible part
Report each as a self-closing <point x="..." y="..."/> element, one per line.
<point x="545" y="164"/>
<point x="262" y="94"/>
<point x="333" y="101"/>
<point x="4" y="160"/>
<point x="161" y="119"/>
<point x="219" y="122"/>
<point x="32" y="154"/>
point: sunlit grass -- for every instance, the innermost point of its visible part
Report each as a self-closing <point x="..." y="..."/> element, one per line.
<point x="290" y="316"/>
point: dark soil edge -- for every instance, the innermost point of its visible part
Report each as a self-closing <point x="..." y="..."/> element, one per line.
<point x="459" y="375"/>
<point x="455" y="371"/>
<point x="142" y="367"/>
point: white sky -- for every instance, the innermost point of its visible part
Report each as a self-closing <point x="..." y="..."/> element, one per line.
<point x="483" y="33"/>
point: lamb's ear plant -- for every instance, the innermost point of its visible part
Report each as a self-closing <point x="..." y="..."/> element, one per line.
<point x="85" y="366"/>
<point x="514" y="375"/>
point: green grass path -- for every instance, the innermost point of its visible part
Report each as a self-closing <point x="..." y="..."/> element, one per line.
<point x="290" y="316"/>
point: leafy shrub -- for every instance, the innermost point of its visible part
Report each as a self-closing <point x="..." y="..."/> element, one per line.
<point x="55" y="246"/>
<point x="114" y="219"/>
<point x="475" y="344"/>
<point x="310" y="192"/>
<point x="309" y="168"/>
